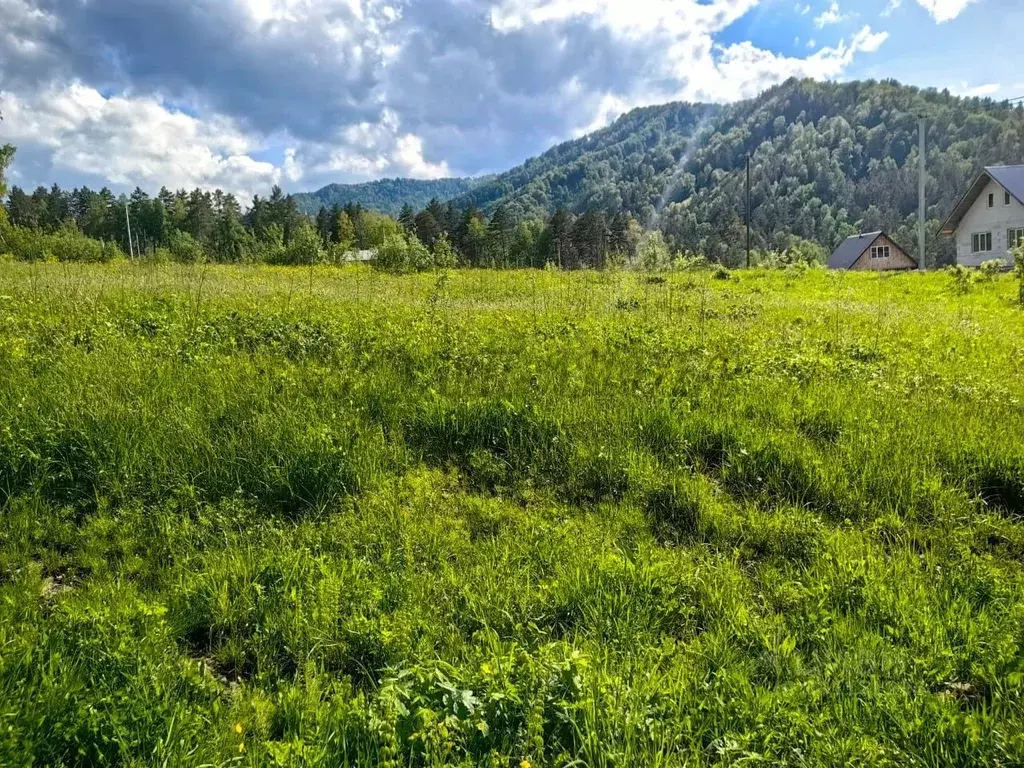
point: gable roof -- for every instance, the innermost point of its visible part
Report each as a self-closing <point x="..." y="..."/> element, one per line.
<point x="1009" y="177"/>
<point x="852" y="248"/>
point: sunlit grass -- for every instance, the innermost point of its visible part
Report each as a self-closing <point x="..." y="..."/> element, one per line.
<point x="333" y="517"/>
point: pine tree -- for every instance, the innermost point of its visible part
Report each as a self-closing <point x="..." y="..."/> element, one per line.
<point x="407" y="218"/>
<point x="427" y="229"/>
<point x="324" y="225"/>
<point x="498" y="235"/>
<point x="345" y="231"/>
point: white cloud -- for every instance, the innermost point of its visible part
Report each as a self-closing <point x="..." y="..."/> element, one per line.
<point x="138" y="141"/>
<point x="748" y="70"/>
<point x="831" y="16"/>
<point x="629" y="18"/>
<point x="135" y="141"/>
<point x="348" y="90"/>
<point x="944" y="10"/>
<point x="691" y="64"/>
<point x="969" y="91"/>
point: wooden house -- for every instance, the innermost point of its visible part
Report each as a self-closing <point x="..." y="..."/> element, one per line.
<point x="872" y="251"/>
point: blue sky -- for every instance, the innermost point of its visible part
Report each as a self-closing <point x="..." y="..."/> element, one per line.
<point x="243" y="94"/>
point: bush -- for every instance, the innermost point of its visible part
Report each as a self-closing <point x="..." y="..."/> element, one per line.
<point x="63" y="245"/>
<point x="184" y="248"/>
<point x="653" y="254"/>
<point x="405" y="253"/>
<point x="305" y="247"/>
<point x="800" y="253"/>
<point x="989" y="270"/>
<point x="961" y="279"/>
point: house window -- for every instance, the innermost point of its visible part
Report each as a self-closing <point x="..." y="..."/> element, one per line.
<point x="880" y="252"/>
<point x="991" y="200"/>
<point x="1014" y="237"/>
<point x="981" y="242"/>
<point x="1006" y="198"/>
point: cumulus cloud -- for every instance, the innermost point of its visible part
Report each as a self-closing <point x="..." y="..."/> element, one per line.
<point x="135" y="141"/>
<point x="945" y="10"/>
<point x="832" y="15"/>
<point x="245" y="93"/>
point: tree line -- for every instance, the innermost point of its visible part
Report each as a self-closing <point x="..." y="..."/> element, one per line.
<point x="199" y="225"/>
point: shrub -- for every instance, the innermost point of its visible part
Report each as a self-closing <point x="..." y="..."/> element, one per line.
<point x="305" y="247"/>
<point x="653" y="254"/>
<point x="184" y="249"/>
<point x="400" y="254"/>
<point x="989" y="270"/>
<point x="63" y="245"/>
<point x="960" y="278"/>
<point x="444" y="255"/>
<point x="721" y="273"/>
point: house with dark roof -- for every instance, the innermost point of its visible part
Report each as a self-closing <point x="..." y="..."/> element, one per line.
<point x="870" y="251"/>
<point x="988" y="222"/>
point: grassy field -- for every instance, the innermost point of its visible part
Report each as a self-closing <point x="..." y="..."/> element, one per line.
<point x="266" y="516"/>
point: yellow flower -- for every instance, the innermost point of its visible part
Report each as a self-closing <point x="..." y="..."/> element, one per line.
<point x="241" y="747"/>
<point x="238" y="728"/>
<point x="525" y="764"/>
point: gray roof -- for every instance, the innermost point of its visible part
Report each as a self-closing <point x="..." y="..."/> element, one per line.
<point x="851" y="249"/>
<point x="1009" y="177"/>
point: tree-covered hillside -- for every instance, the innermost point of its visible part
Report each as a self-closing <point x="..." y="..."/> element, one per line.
<point x="384" y="195"/>
<point x="828" y="160"/>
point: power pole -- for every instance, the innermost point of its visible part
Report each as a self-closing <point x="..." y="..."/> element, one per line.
<point x="748" y="211"/>
<point x="127" y="218"/>
<point x="921" y="207"/>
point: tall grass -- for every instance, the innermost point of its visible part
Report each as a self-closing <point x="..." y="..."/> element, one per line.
<point x="251" y="515"/>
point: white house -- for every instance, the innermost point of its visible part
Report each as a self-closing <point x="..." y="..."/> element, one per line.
<point x="988" y="222"/>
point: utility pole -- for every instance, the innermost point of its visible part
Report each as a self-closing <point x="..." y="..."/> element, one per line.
<point x="921" y="207"/>
<point x="748" y="211"/>
<point x="127" y="218"/>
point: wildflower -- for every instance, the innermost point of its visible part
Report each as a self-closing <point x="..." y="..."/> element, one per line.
<point x="241" y="747"/>
<point x="485" y="668"/>
<point x="238" y="728"/>
<point x="525" y="764"/>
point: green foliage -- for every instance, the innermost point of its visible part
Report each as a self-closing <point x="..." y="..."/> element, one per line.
<point x="385" y="195"/>
<point x="653" y="254"/>
<point x="476" y="517"/>
<point x="63" y="245"/>
<point x="829" y="160"/>
<point x="305" y="248"/>
<point x="1018" y="271"/>
<point x="989" y="270"/>
<point x="444" y="256"/>
<point x="184" y="249"/>
<point x="961" y="279"/>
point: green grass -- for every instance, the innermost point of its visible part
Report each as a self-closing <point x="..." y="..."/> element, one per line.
<point x="267" y="516"/>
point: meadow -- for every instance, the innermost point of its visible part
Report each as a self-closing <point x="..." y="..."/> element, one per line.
<point x="331" y="517"/>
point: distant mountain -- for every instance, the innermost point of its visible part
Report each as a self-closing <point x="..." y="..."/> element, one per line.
<point x="828" y="160"/>
<point x="621" y="167"/>
<point x="385" y="195"/>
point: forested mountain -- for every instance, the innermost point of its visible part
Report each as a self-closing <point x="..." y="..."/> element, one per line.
<point x="828" y="159"/>
<point x="384" y="195"/>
